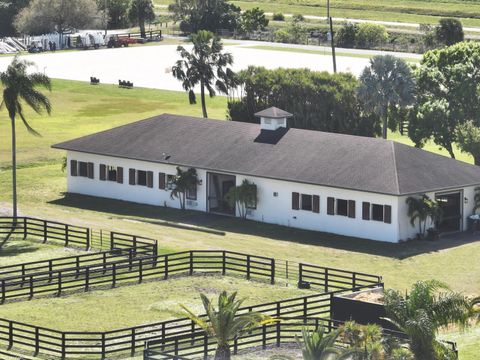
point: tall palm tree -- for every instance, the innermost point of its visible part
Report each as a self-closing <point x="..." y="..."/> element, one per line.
<point x="421" y="209"/>
<point x="387" y="82"/>
<point x="20" y="87"/>
<point x="428" y="307"/>
<point x="184" y="180"/>
<point x="224" y="324"/>
<point x="206" y="65"/>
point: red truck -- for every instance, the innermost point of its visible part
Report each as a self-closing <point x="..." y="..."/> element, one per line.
<point x="116" y="41"/>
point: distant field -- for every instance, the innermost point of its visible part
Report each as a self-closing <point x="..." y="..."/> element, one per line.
<point x="415" y="11"/>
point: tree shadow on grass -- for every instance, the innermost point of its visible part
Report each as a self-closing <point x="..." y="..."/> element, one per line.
<point x="16" y="249"/>
<point x="220" y="225"/>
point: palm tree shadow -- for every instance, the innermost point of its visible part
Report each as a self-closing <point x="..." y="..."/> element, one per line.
<point x="220" y="225"/>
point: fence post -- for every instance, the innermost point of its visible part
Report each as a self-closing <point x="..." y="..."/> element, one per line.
<point x="50" y="271"/>
<point x="87" y="278"/>
<point x="300" y="273"/>
<point x="191" y="263"/>
<point x="87" y="246"/>
<point x="354" y="281"/>
<point x="103" y="346"/>
<point x="224" y="262"/>
<point x="44" y="231"/>
<point x="63" y="346"/>
<point x="130" y="258"/>
<point x="25" y="229"/>
<point x="114" y="274"/>
<point x="264" y="336"/>
<point x="37" y="340"/>
<point x="279" y="335"/>
<point x="166" y="267"/>
<point x="3" y="291"/>
<point x="305" y="309"/>
<point x="248" y="267"/>
<point x="10" y="334"/>
<point x="235" y="346"/>
<point x="59" y="283"/>
<point x="326" y="279"/>
<point x="104" y="263"/>
<point x="112" y="240"/>
<point x="272" y="271"/>
<point x="135" y="245"/>
<point x="66" y="235"/>
<point x="77" y="263"/>
<point x="140" y="271"/>
<point x="155" y="255"/>
<point x="132" y="351"/>
<point x="31" y="286"/>
<point x="205" y="347"/>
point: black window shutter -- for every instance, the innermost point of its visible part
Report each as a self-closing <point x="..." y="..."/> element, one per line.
<point x="73" y="168"/>
<point x="131" y="176"/>
<point x="103" y="171"/>
<point x="295" y="201"/>
<point x="331" y="206"/>
<point x="120" y="175"/>
<point x="387" y="214"/>
<point x="90" y="173"/>
<point x="351" y="209"/>
<point x="366" y="210"/>
<point x="150" y="179"/>
<point x="161" y="181"/>
<point x="316" y="204"/>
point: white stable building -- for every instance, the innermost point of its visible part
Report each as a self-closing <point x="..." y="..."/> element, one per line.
<point x="348" y="185"/>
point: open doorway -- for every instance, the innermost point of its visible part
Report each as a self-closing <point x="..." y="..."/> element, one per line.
<point x="451" y="205"/>
<point x="218" y="186"/>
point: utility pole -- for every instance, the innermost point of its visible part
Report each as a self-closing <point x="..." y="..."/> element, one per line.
<point x="333" y="46"/>
<point x="105" y="12"/>
<point x="328" y="9"/>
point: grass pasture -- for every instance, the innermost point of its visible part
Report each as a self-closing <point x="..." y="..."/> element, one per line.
<point x="80" y="109"/>
<point x="411" y="11"/>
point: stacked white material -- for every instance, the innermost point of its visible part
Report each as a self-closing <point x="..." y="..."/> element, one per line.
<point x="6" y="48"/>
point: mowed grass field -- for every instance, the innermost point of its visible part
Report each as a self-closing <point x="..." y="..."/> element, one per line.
<point x="411" y="11"/>
<point x="81" y="109"/>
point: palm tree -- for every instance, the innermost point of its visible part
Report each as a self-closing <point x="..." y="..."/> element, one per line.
<point x="388" y="82"/>
<point x="224" y="323"/>
<point x="141" y="11"/>
<point x="430" y="306"/>
<point x="184" y="181"/>
<point x="206" y="66"/>
<point x="18" y="87"/>
<point x="243" y="196"/>
<point x="319" y="345"/>
<point x="421" y="209"/>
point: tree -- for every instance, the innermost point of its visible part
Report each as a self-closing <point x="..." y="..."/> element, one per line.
<point x="448" y="85"/>
<point x="244" y="196"/>
<point x="8" y="10"/>
<point x="319" y="100"/>
<point x="468" y="140"/>
<point x="429" y="306"/>
<point x="46" y="16"/>
<point x="449" y="31"/>
<point x="224" y="323"/>
<point x="422" y="209"/>
<point x="346" y="35"/>
<point x="253" y="20"/>
<point x="184" y="181"/>
<point x="117" y="12"/>
<point x="319" y="345"/>
<point x="21" y="87"/>
<point x="206" y="65"/>
<point x="195" y="15"/>
<point x="388" y="82"/>
<point x="370" y="35"/>
<point x="140" y="12"/>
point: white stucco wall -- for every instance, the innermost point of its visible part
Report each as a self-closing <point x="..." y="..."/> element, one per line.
<point x="270" y="208"/>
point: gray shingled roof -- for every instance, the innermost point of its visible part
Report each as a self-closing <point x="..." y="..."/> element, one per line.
<point x="343" y="161"/>
<point x="273" y="112"/>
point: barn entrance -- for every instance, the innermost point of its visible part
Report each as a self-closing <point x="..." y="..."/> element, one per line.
<point x="218" y="186"/>
<point x="451" y="205"/>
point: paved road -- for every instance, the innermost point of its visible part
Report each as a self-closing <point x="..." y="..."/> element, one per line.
<point x="147" y="66"/>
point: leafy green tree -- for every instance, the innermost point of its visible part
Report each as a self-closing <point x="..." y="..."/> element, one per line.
<point x="319" y="100"/>
<point x="206" y="65"/>
<point x="449" y="32"/>
<point x="346" y="35"/>
<point x="422" y="209"/>
<point x="140" y="12"/>
<point x="117" y="12"/>
<point x="320" y="345"/>
<point x="243" y="196"/>
<point x="195" y="15"/>
<point x="45" y="16"/>
<point x="468" y="139"/>
<point x="8" y="10"/>
<point x="388" y="82"/>
<point x="371" y="35"/>
<point x="224" y="323"/>
<point x="253" y="20"/>
<point x="184" y="181"/>
<point x="448" y="88"/>
<point x="429" y="307"/>
<point x="19" y="88"/>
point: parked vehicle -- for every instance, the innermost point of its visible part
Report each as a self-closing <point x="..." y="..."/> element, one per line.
<point x="116" y="41"/>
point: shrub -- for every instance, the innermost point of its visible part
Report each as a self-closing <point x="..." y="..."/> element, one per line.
<point x="278" y="17"/>
<point x="346" y="35"/>
<point x="371" y="35"/>
<point x="449" y="31"/>
<point x="298" y="17"/>
<point x="282" y="36"/>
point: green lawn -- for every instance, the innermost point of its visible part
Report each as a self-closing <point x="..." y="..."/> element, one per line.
<point x="414" y="11"/>
<point x="82" y="109"/>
